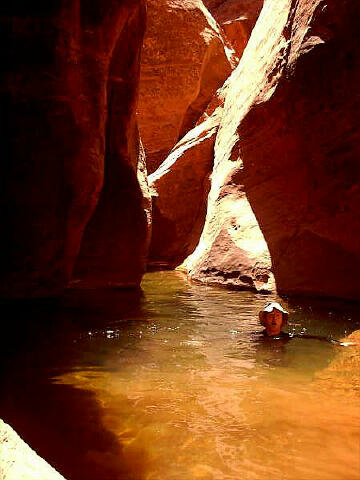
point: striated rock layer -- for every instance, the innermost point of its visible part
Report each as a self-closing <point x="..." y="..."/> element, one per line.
<point x="69" y="98"/>
<point x="288" y="142"/>
<point x="184" y="62"/>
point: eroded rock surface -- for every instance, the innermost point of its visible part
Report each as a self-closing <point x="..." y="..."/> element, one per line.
<point x="232" y="252"/>
<point x="179" y="192"/>
<point x="19" y="462"/>
<point x="237" y="18"/>
<point x="288" y="142"/>
<point x="56" y="94"/>
<point x="184" y="62"/>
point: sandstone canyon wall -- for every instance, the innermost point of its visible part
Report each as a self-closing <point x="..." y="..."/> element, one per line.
<point x="267" y="171"/>
<point x="237" y="19"/>
<point x="68" y="64"/>
<point x="185" y="60"/>
<point x="288" y="146"/>
<point x="239" y="258"/>
<point x="179" y="189"/>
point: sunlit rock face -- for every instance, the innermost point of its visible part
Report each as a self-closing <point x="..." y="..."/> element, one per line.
<point x="19" y="462"/>
<point x="179" y="190"/>
<point x="69" y="99"/>
<point x="184" y="61"/>
<point x="288" y="143"/>
<point x="232" y="252"/>
<point x="237" y="18"/>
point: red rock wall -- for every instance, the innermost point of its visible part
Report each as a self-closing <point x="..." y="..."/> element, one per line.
<point x="230" y="10"/>
<point x="57" y="56"/>
<point x="181" y="184"/>
<point x="286" y="150"/>
<point x="301" y="151"/>
<point x="179" y="189"/>
<point x="114" y="245"/>
<point x="232" y="251"/>
<point x="288" y="145"/>
<point x="184" y="62"/>
<point x="237" y="18"/>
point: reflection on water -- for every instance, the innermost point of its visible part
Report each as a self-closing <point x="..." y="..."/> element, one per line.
<point x="176" y="384"/>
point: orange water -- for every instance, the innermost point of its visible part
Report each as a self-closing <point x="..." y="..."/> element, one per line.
<point x="177" y="385"/>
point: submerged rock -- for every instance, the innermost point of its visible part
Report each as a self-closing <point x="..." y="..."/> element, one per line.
<point x="19" y="462"/>
<point x="343" y="373"/>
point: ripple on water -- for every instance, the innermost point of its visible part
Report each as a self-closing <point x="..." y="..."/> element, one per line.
<point x="184" y="388"/>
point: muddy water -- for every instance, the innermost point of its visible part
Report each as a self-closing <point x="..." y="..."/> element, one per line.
<point x="177" y="384"/>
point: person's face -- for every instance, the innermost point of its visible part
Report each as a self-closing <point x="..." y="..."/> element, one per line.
<point x="273" y="322"/>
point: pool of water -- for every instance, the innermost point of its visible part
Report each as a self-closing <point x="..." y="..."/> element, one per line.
<point x="176" y="383"/>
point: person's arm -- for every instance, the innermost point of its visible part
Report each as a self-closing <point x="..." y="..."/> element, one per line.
<point x="326" y="339"/>
<point x="343" y="344"/>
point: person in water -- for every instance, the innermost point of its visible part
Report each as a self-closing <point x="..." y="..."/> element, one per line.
<point x="274" y="317"/>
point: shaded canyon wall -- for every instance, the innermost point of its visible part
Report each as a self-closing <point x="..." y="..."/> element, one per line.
<point x="179" y="189"/>
<point x="69" y="97"/>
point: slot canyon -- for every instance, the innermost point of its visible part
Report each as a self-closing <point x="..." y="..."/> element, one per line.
<point x="197" y="155"/>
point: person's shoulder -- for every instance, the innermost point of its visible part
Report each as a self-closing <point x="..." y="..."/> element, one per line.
<point x="281" y="335"/>
<point x="285" y="335"/>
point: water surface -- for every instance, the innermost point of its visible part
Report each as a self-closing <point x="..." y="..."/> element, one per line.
<point x="177" y="383"/>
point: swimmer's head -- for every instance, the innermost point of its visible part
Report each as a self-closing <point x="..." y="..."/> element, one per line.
<point x="273" y="317"/>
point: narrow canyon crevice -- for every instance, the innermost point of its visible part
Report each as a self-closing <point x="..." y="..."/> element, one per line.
<point x="180" y="188"/>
